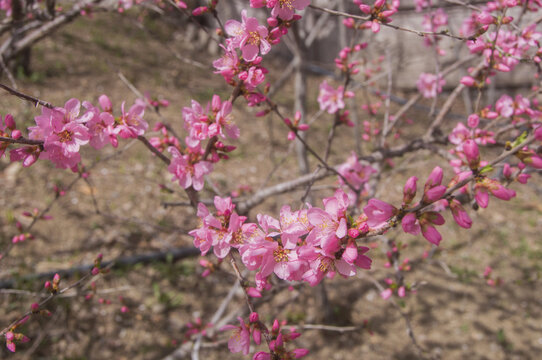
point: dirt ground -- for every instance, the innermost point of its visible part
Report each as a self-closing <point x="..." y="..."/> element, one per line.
<point x="454" y="314"/>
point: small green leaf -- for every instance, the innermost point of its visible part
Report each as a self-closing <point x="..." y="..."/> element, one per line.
<point x="486" y="169"/>
<point x="520" y="139"/>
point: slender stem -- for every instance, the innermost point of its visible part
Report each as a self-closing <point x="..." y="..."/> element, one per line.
<point x="26" y="97"/>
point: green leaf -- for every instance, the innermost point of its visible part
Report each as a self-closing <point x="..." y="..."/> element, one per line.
<point x="486" y="169"/>
<point x="520" y="139"/>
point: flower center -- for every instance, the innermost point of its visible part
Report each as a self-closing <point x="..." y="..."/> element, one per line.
<point x="286" y="4"/>
<point x="281" y="254"/>
<point x="253" y="38"/>
<point x="65" y="136"/>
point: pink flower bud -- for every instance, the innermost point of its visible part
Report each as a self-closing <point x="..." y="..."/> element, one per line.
<point x="16" y="134"/>
<point x="470" y="149"/>
<point x="410" y="224"/>
<point x="262" y="355"/>
<point x="9" y="336"/>
<point x="409" y="191"/>
<point x="460" y="215"/>
<point x="35" y="307"/>
<point x="523" y="178"/>
<point x="386" y="294"/>
<point x="273" y="22"/>
<point x="199" y="10"/>
<point x="473" y="121"/>
<point x="105" y="103"/>
<point x="303" y="127"/>
<point x="533" y="161"/>
<point x="467" y="81"/>
<point x="485" y="18"/>
<point x="257" y="336"/>
<point x="435" y="178"/>
<point x="349" y="23"/>
<point x="254" y="317"/>
<point x="10" y="123"/>
<point x="291" y="135"/>
<point x="431" y="234"/>
<point x="299" y="353"/>
<point x="253" y="292"/>
<point x="433" y="194"/>
<point x="401" y="292"/>
<point x="276" y="326"/>
<point x="507" y="171"/>
<point x="353" y="233"/>
<point x="375" y="26"/>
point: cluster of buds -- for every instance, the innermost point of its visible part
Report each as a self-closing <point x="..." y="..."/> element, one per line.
<point x="295" y="126"/>
<point x="380" y="12"/>
<point x="97" y="269"/>
<point x="13" y="337"/>
<point x="166" y="140"/>
<point x="209" y="8"/>
<point x="278" y="339"/>
<point x="489" y="278"/>
<point x="22" y="235"/>
<point x="195" y="328"/>
<point x="344" y="61"/>
<point x="52" y="287"/>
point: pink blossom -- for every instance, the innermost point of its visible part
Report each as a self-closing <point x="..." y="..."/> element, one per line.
<point x="473" y="120"/>
<point x="330" y="100"/>
<point x="486" y="185"/>
<point x="386" y="294"/>
<point x="505" y="106"/>
<point x="28" y="154"/>
<point x="285" y="9"/>
<point x="378" y="212"/>
<point x="240" y="338"/>
<point x="186" y="172"/>
<point x="228" y="64"/>
<point x="429" y="86"/>
<point x="131" y="123"/>
<point x="249" y="35"/>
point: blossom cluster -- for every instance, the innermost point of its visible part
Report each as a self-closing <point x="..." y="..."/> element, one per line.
<point x="64" y="130"/>
<point x="380" y="12"/>
<point x="278" y="338"/>
<point x="254" y="40"/>
<point x="190" y="165"/>
<point x="303" y="245"/>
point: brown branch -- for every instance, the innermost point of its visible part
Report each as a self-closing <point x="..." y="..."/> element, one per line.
<point x="26" y="97"/>
<point x="21" y="141"/>
<point x="369" y="18"/>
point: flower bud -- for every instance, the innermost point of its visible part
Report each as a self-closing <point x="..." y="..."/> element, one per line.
<point x="473" y="121"/>
<point x="10" y="123"/>
<point x="409" y="192"/>
<point x="470" y="149"/>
